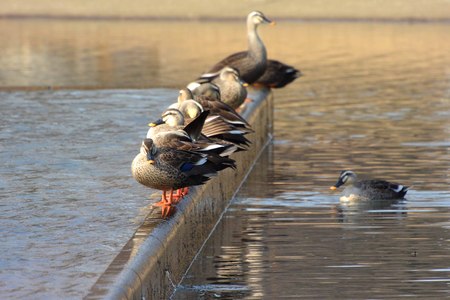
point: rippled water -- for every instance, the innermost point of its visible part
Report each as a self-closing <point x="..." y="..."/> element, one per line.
<point x="375" y="98"/>
<point x="378" y="104"/>
<point x="68" y="203"/>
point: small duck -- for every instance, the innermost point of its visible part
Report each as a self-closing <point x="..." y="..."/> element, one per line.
<point x="278" y="74"/>
<point x="170" y="169"/>
<point x="370" y="189"/>
<point x="251" y="64"/>
<point x="232" y="89"/>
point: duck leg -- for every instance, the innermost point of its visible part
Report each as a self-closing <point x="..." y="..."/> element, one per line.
<point x="167" y="209"/>
<point x="163" y="200"/>
<point x="179" y="194"/>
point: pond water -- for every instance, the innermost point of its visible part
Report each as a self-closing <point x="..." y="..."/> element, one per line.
<point x="375" y="98"/>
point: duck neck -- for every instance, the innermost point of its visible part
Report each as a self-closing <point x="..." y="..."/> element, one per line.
<point x="255" y="45"/>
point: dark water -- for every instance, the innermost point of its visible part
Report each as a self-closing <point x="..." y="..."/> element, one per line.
<point x="375" y="98"/>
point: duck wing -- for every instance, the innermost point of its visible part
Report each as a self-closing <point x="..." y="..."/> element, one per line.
<point x="231" y="61"/>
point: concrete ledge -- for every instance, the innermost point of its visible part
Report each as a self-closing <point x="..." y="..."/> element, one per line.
<point x="156" y="258"/>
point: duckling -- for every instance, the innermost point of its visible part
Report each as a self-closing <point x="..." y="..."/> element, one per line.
<point x="169" y="169"/>
<point x="370" y="189"/>
<point x="251" y="64"/>
<point x="278" y="74"/>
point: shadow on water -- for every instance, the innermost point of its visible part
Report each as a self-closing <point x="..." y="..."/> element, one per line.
<point x="374" y="98"/>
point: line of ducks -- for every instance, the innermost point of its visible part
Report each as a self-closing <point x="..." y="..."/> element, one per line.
<point x="195" y="136"/>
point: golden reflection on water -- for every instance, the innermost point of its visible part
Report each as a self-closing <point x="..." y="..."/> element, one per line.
<point x="374" y="98"/>
<point x="168" y="54"/>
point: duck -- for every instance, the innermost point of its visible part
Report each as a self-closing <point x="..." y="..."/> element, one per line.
<point x="232" y="89"/>
<point x="374" y="189"/>
<point x="278" y="75"/>
<point x="205" y="89"/>
<point x="171" y="131"/>
<point x="250" y="64"/>
<point x="172" y="168"/>
<point x="223" y="123"/>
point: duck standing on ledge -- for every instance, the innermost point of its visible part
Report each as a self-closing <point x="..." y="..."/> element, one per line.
<point x="231" y="87"/>
<point x="223" y="122"/>
<point x="177" y="161"/>
<point x="369" y="189"/>
<point x="250" y="64"/>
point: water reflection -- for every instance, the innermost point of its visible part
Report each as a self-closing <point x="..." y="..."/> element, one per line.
<point x="377" y="101"/>
<point x="65" y="182"/>
<point x="374" y="98"/>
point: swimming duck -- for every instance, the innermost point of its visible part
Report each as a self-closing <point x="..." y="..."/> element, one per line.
<point x="251" y="64"/>
<point x="231" y="87"/>
<point x="278" y="74"/>
<point x="170" y="169"/>
<point x="370" y="189"/>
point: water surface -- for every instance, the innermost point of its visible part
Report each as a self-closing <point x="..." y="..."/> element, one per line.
<point x="376" y="102"/>
<point x="374" y="98"/>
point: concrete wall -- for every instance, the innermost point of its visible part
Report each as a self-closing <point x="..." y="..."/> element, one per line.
<point x="155" y="259"/>
<point x="306" y="9"/>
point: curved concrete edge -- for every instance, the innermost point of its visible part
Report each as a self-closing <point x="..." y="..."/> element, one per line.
<point x="156" y="258"/>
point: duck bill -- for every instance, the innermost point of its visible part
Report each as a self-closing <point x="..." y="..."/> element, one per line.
<point x="156" y="123"/>
<point x="338" y="184"/>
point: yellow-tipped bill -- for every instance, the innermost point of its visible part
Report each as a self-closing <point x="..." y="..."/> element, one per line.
<point x="152" y="124"/>
<point x="151" y="161"/>
<point x="333" y="187"/>
<point x="273" y="23"/>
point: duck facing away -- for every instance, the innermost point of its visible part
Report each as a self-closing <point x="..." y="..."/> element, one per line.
<point x="231" y="87"/>
<point x="250" y="64"/>
<point x="278" y="74"/>
<point x="370" y="189"/>
<point x="170" y="169"/>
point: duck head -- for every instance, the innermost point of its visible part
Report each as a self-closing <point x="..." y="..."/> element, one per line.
<point x="344" y="177"/>
<point x="190" y="108"/>
<point x="257" y="17"/>
<point x="186" y="93"/>
<point x="172" y="117"/>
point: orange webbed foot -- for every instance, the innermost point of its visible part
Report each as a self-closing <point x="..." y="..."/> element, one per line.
<point x="167" y="210"/>
<point x="179" y="194"/>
